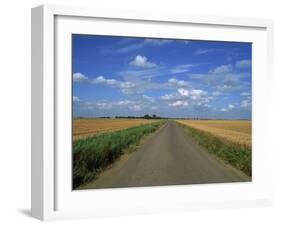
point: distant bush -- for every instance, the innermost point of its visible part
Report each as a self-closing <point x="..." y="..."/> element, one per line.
<point x="92" y="154"/>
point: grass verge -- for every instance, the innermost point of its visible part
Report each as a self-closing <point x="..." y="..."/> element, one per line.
<point x="237" y="155"/>
<point x="92" y="154"/>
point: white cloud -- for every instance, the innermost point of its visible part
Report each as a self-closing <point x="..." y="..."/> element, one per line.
<point x="79" y="77"/>
<point x="127" y="85"/>
<point x="243" y="64"/>
<point x="136" y="108"/>
<point x="75" y="99"/>
<point x="245" y="94"/>
<point x="184" y="97"/>
<point x="197" y="94"/>
<point x="124" y="102"/>
<point x="180" y="94"/>
<point x="102" y="80"/>
<point x="148" y="98"/>
<point x="245" y="103"/>
<point x="183" y="92"/>
<point x="224" y="82"/>
<point x="229" y="108"/>
<point x="179" y="103"/>
<point x="104" y="105"/>
<point x="168" y="97"/>
<point x="142" y="61"/>
<point x="222" y="69"/>
<point x="182" y="68"/>
<point x="177" y="83"/>
<point x="109" y="105"/>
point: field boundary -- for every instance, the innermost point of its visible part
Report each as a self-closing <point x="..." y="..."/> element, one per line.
<point x="237" y="155"/>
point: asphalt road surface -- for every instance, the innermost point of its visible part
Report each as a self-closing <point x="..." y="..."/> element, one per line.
<point x="168" y="157"/>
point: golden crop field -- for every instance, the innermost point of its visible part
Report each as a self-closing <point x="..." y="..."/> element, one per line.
<point x="238" y="131"/>
<point x="83" y="128"/>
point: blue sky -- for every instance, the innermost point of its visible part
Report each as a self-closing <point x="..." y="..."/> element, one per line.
<point x="170" y="78"/>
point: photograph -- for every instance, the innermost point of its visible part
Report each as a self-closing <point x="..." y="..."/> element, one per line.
<point x="152" y="111"/>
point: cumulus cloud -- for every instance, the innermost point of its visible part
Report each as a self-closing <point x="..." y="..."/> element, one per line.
<point x="124" y="102"/>
<point x="245" y="104"/>
<point x="242" y="64"/>
<point x="107" y="105"/>
<point x="135" y="84"/>
<point x="102" y="80"/>
<point x="142" y="61"/>
<point x="222" y="69"/>
<point x="103" y="105"/>
<point x="223" y="82"/>
<point x="197" y="94"/>
<point x="231" y="106"/>
<point x="136" y="108"/>
<point x="195" y="98"/>
<point x="127" y="85"/>
<point x="169" y="97"/>
<point x="148" y="98"/>
<point x="139" y="105"/>
<point x="79" y="77"/>
<point x="228" y="108"/>
<point x="183" y="92"/>
<point x="177" y="83"/>
<point x="179" y="103"/>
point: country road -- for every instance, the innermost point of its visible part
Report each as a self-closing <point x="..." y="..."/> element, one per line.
<point x="168" y="157"/>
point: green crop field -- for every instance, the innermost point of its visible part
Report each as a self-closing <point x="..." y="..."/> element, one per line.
<point x="92" y="154"/>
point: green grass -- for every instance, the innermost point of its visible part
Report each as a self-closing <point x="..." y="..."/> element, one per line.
<point x="237" y="155"/>
<point x="92" y="154"/>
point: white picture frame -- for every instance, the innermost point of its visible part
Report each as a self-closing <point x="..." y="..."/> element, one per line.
<point x="52" y="198"/>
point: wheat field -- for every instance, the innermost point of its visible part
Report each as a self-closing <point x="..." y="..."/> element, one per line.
<point x="238" y="131"/>
<point x="83" y="128"/>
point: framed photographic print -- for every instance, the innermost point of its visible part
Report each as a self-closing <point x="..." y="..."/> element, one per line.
<point x="143" y="113"/>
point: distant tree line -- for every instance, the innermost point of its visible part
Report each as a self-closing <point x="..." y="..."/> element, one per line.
<point x="147" y="116"/>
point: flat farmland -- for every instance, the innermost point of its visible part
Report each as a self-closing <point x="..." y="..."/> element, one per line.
<point x="83" y="128"/>
<point x="237" y="131"/>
